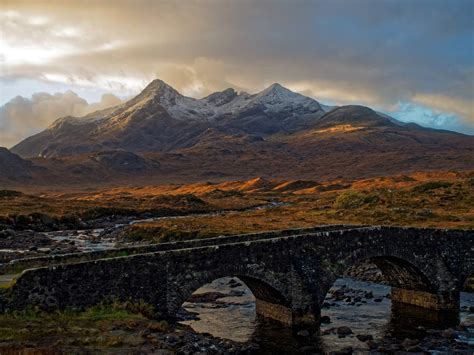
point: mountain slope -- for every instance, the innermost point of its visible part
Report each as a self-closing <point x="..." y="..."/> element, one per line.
<point x="161" y="119"/>
<point x="163" y="135"/>
<point x="14" y="168"/>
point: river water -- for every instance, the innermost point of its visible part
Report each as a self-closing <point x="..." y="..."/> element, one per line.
<point x="94" y="240"/>
<point x="233" y="317"/>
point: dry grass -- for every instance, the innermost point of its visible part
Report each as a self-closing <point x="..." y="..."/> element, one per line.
<point x="442" y="199"/>
<point x="423" y="200"/>
<point x="120" y="201"/>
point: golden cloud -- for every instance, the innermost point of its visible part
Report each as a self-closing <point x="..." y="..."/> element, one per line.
<point x="446" y="104"/>
<point x="22" y="117"/>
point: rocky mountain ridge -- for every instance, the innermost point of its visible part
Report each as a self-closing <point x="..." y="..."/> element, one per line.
<point x="163" y="135"/>
<point x="162" y="112"/>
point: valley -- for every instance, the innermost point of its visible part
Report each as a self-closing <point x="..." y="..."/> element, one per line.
<point x="164" y="170"/>
<point x="420" y="199"/>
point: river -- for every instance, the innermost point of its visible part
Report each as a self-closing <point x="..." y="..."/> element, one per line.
<point x="234" y="318"/>
<point x="94" y="239"/>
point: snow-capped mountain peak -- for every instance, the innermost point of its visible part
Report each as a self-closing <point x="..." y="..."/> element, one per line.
<point x="220" y="98"/>
<point x="277" y="98"/>
<point x="160" y="119"/>
<point x="159" y="87"/>
<point x="276" y="101"/>
<point x="275" y="89"/>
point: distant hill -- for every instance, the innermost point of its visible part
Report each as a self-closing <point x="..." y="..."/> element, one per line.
<point x="161" y="134"/>
<point x="14" y="168"/>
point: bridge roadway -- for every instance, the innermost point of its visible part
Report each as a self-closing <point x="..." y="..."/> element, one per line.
<point x="289" y="272"/>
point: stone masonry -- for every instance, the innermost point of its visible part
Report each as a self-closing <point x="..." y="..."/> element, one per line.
<point x="289" y="272"/>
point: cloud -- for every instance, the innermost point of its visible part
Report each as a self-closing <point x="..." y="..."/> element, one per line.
<point x="429" y="117"/>
<point x="22" y="117"/>
<point x="461" y="107"/>
<point x="371" y="52"/>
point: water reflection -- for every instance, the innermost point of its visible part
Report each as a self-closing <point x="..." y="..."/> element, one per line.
<point x="364" y="307"/>
<point x="275" y="339"/>
<point x="408" y="321"/>
<point x="230" y="317"/>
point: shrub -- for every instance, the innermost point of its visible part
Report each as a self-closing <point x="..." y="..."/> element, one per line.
<point x="182" y="200"/>
<point x="145" y="309"/>
<point x="353" y="199"/>
<point x="10" y="193"/>
<point x="469" y="285"/>
<point x="163" y="235"/>
<point x="119" y="309"/>
<point x="99" y="212"/>
<point x="161" y="326"/>
<point x="432" y="185"/>
<point x="22" y="220"/>
<point x="7" y="220"/>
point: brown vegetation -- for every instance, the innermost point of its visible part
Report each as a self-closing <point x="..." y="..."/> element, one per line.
<point x="444" y="200"/>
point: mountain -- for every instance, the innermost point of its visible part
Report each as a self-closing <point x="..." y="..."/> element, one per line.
<point x="161" y="119"/>
<point x="162" y="135"/>
<point x="14" y="168"/>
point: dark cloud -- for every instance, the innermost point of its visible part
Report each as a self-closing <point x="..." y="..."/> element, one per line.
<point x="372" y="52"/>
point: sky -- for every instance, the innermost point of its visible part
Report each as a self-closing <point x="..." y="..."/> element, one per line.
<point x="412" y="59"/>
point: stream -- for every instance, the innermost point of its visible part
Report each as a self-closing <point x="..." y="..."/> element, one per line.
<point x="30" y="243"/>
<point x="234" y="318"/>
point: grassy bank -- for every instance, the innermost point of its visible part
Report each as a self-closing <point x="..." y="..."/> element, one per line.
<point x="104" y="325"/>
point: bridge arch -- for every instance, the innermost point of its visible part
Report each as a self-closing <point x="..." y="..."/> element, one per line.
<point x="398" y="272"/>
<point x="418" y="280"/>
<point x="271" y="295"/>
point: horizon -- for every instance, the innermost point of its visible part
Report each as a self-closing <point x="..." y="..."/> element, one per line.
<point x="97" y="106"/>
<point x="69" y="59"/>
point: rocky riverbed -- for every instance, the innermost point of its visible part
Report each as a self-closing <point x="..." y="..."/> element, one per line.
<point x="357" y="317"/>
<point x="47" y="238"/>
<point x="29" y="243"/>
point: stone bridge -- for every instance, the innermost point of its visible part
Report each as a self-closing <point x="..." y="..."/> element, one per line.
<point x="289" y="272"/>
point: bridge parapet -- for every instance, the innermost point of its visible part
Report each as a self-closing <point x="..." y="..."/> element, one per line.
<point x="18" y="265"/>
<point x="289" y="274"/>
